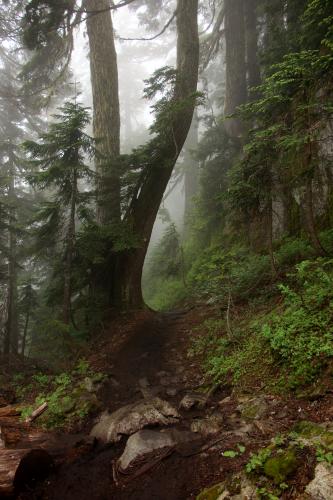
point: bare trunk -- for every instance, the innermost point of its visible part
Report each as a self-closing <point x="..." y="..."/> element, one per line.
<point x="191" y="179"/>
<point x="106" y="121"/>
<point x="235" y="92"/>
<point x="11" y="338"/>
<point x="270" y="239"/>
<point x="310" y="221"/>
<point x="25" y="331"/>
<point x="252" y="63"/>
<point x="70" y="236"/>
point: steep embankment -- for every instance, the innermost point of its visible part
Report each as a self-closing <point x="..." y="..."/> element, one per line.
<point x="192" y="439"/>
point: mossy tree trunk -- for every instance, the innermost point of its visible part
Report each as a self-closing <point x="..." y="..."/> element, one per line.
<point x="106" y="118"/>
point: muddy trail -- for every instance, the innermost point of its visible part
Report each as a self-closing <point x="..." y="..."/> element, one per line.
<point x="145" y="360"/>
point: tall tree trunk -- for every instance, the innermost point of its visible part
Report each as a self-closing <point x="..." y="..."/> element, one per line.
<point x="251" y="33"/>
<point x="310" y="220"/>
<point x="106" y="119"/>
<point x="235" y="92"/>
<point x="126" y="285"/>
<point x="25" y="331"/>
<point x="11" y="340"/>
<point x="191" y="177"/>
<point x="70" y="237"/>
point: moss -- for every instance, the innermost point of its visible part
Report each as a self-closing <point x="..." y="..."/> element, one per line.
<point x="281" y="466"/>
<point x="315" y="433"/>
<point x="211" y="493"/>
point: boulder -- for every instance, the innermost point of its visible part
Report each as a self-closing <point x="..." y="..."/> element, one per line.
<point x="133" y="417"/>
<point x="321" y="487"/>
<point x="146" y="442"/>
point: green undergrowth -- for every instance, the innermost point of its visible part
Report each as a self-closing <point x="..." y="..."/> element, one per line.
<point x="272" y="471"/>
<point x="70" y="396"/>
<point x="284" y="342"/>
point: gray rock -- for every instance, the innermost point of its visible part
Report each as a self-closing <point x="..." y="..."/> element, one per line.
<point x="92" y="385"/>
<point x="131" y="418"/>
<point x="237" y="487"/>
<point x="89" y="384"/>
<point x="144" y="382"/>
<point x="146" y="441"/>
<point x="171" y="391"/>
<point x="193" y="400"/>
<point x="321" y="487"/>
<point x="254" y="408"/>
<point x="208" y="426"/>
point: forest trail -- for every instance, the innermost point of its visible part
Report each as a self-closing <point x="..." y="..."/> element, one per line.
<point x="145" y="357"/>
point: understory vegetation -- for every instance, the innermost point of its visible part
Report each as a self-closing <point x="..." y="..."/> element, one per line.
<point x="70" y="395"/>
<point x="258" y="244"/>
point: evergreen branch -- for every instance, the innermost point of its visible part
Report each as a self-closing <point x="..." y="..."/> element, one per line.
<point x="163" y="30"/>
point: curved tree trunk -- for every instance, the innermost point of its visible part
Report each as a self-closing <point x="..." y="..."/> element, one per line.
<point x="126" y="285"/>
<point x="106" y="121"/>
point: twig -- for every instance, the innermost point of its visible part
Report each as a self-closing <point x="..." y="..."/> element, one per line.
<point x="36" y="413"/>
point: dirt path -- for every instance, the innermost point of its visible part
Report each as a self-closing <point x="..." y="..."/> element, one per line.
<point x="148" y="353"/>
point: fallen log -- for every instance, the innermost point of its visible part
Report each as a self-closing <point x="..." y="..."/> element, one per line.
<point x="10" y="411"/>
<point x="22" y="468"/>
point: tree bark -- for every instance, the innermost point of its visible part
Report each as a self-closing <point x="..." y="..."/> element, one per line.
<point x="310" y="220"/>
<point x="106" y="119"/>
<point x="70" y="237"/>
<point x="126" y="283"/>
<point x="25" y="331"/>
<point x="235" y="92"/>
<point x="251" y="33"/>
<point x="191" y="177"/>
<point x="11" y="337"/>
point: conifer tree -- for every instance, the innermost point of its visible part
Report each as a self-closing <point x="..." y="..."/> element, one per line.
<point x="57" y="163"/>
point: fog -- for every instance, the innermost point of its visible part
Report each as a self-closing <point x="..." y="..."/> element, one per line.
<point x="137" y="61"/>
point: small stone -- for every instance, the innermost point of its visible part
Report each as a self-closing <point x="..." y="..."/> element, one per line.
<point x="144" y="383"/>
<point x="193" y="400"/>
<point x="225" y="400"/>
<point x="207" y="426"/>
<point x="254" y="408"/>
<point x="321" y="487"/>
<point x="171" y="391"/>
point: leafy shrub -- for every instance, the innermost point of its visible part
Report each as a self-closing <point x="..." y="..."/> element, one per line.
<point x="302" y="335"/>
<point x="239" y="272"/>
<point x="234" y="359"/>
<point x="68" y="398"/>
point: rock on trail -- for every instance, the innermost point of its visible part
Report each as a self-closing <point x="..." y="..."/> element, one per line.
<point x="133" y="417"/>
